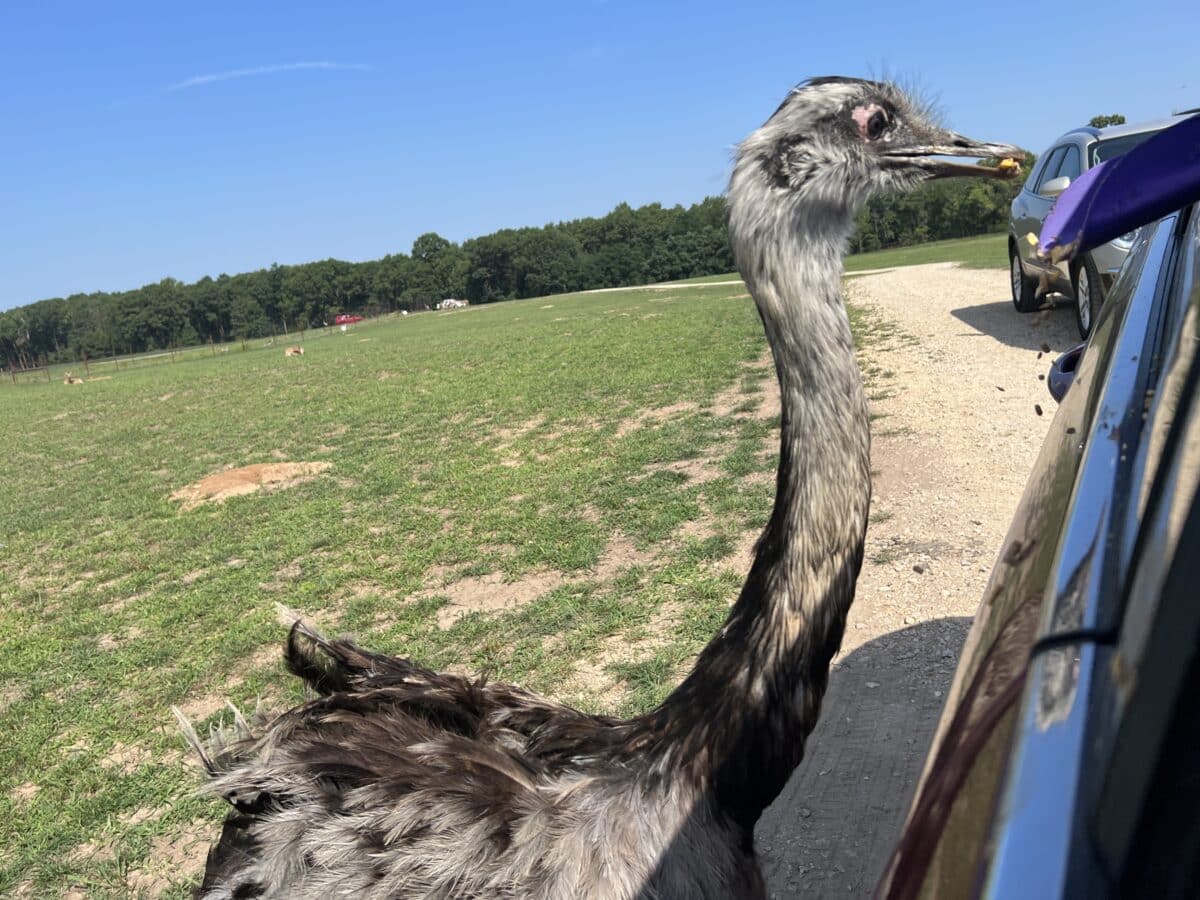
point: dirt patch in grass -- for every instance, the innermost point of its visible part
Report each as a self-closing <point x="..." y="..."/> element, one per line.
<point x="10" y="695"/>
<point x="619" y="554"/>
<point x="592" y="681"/>
<point x="23" y="793"/>
<point x="141" y="815"/>
<point x="695" y="529"/>
<point x="127" y="758"/>
<point x="111" y="641"/>
<point x="115" y="606"/>
<point x="697" y="471"/>
<point x="193" y="576"/>
<point x="221" y="486"/>
<point x="266" y="656"/>
<point x="743" y="553"/>
<point x="92" y="851"/>
<point x="173" y="858"/>
<point x="508" y="435"/>
<point x="491" y="593"/>
<point x="654" y="414"/>
<point x="726" y="403"/>
<point x="283" y="576"/>
<point x="731" y="400"/>
<point x="202" y="707"/>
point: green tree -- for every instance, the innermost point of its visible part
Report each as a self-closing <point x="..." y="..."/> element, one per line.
<point x="546" y="261"/>
<point x="390" y="281"/>
<point x="247" y="319"/>
<point x="299" y="293"/>
<point x="439" y="269"/>
<point x="1105" y="121"/>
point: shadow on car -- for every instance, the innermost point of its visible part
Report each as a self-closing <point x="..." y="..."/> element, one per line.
<point x="833" y="828"/>
<point x="1057" y="328"/>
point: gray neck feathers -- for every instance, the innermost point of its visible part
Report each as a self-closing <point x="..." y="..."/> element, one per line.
<point x="736" y="726"/>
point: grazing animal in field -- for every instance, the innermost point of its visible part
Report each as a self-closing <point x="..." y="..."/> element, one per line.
<point x="72" y="379"/>
<point x="397" y="781"/>
<point x="294" y="351"/>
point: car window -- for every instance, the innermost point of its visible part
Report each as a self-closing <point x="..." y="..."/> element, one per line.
<point x="1114" y="147"/>
<point x="1050" y="170"/>
<point x="1071" y="163"/>
<point x="1035" y="172"/>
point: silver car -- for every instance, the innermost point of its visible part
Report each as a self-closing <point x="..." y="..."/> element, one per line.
<point x="1088" y="277"/>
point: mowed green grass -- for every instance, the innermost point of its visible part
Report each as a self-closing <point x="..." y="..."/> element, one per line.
<point x="503" y="442"/>
<point x="988" y="251"/>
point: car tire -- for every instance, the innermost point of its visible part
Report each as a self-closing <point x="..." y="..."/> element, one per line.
<point x="1089" y="295"/>
<point x="1023" y="297"/>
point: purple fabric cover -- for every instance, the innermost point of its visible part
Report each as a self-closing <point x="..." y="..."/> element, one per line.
<point x="1156" y="177"/>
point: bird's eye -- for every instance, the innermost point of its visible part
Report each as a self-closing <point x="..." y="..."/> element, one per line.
<point x="876" y="125"/>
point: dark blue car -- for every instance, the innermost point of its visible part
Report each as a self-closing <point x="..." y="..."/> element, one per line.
<point x="1067" y="760"/>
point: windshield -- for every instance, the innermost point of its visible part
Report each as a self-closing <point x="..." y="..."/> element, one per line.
<point x="1114" y="147"/>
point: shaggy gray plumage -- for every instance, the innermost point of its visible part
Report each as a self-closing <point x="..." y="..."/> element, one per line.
<point x="402" y="782"/>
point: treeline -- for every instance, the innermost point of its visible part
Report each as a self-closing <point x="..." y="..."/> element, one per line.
<point x="940" y="210"/>
<point x="626" y="247"/>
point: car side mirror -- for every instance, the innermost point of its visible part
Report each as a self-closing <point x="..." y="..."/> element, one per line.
<point x="1062" y="372"/>
<point x="1055" y="186"/>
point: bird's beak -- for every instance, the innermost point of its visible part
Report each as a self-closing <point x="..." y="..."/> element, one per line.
<point x="929" y="156"/>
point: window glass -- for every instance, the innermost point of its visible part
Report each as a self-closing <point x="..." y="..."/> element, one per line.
<point x="1051" y="167"/>
<point x="1114" y="147"/>
<point x="1071" y="163"/>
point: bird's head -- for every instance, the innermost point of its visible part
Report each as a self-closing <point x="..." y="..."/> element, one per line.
<point x="836" y="141"/>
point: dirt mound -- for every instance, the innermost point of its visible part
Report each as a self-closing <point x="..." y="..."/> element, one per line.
<point x="220" y="486"/>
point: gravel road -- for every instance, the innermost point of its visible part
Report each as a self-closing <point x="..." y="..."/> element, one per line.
<point x="955" y="436"/>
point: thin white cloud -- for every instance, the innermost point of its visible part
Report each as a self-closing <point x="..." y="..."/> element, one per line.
<point x="199" y="80"/>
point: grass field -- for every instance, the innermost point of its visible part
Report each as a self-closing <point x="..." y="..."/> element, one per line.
<point x="559" y="492"/>
<point x="988" y="251"/>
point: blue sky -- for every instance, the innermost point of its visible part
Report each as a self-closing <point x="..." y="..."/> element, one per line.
<point x="139" y="141"/>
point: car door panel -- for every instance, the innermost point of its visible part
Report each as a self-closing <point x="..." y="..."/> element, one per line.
<point x="1003" y="687"/>
<point x="1034" y="209"/>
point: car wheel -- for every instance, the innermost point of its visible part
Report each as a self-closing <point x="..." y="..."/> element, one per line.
<point x="1089" y="295"/>
<point x="1022" y="288"/>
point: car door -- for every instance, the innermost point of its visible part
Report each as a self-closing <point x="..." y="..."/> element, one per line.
<point x="1070" y="166"/>
<point x="1142" y="809"/>
<point x="1031" y="208"/>
<point x="1012" y="770"/>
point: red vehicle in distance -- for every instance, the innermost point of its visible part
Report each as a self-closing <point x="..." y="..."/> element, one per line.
<point x="347" y="319"/>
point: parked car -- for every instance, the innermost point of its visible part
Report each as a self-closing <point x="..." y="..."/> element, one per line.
<point x="1088" y="279"/>
<point x="1067" y="759"/>
<point x="345" y="319"/>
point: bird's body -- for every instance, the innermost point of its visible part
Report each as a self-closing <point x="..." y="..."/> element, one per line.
<point x="401" y="782"/>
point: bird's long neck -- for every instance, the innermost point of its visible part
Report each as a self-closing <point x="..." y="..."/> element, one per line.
<point x="737" y="725"/>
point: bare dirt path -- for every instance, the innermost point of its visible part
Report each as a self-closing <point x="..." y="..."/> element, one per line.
<point x="956" y="435"/>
